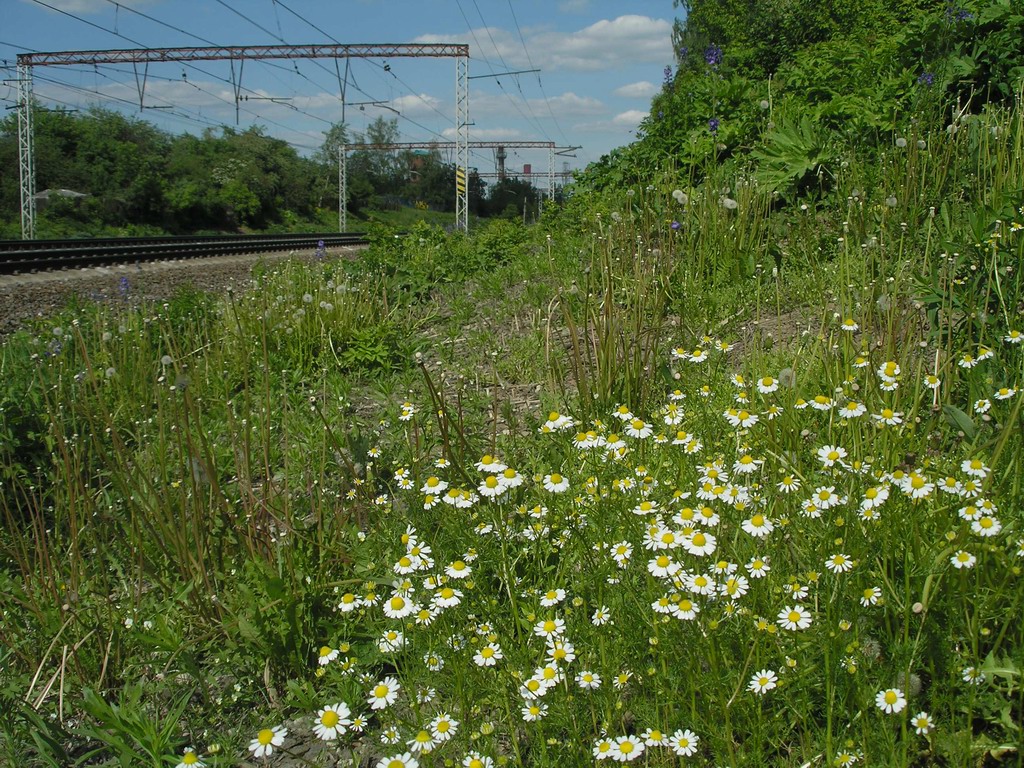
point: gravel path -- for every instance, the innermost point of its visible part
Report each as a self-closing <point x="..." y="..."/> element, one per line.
<point x="23" y="297"/>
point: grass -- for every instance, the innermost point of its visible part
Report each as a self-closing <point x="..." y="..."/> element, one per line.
<point x="543" y="497"/>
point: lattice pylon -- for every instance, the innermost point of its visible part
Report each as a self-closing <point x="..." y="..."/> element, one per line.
<point x="462" y="142"/>
<point x="343" y="188"/>
<point x="551" y="173"/>
<point x="26" y="167"/>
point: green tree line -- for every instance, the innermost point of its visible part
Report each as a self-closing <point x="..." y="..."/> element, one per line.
<point x="139" y="179"/>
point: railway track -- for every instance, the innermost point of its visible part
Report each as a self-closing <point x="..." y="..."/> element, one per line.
<point x="24" y="256"/>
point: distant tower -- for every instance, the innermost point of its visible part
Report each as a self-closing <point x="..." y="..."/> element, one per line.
<point x="500" y="156"/>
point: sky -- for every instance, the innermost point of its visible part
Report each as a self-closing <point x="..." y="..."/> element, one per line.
<point x="600" y="63"/>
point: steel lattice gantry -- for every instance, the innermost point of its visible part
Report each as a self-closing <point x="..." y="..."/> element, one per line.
<point x="461" y="161"/>
<point x="458" y="51"/>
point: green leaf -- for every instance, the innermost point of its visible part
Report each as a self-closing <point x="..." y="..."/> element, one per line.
<point x="960" y="420"/>
<point x="275" y="588"/>
<point x="1002" y="667"/>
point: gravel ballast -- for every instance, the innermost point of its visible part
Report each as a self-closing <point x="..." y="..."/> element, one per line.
<point x="39" y="295"/>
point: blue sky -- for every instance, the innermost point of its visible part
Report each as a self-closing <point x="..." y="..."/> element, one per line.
<point x="600" y="62"/>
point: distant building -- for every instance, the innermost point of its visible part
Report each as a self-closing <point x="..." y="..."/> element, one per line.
<point x="43" y="198"/>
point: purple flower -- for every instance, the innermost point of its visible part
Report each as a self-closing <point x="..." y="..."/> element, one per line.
<point x="123" y="286"/>
<point x="713" y="125"/>
<point x="676" y="225"/>
<point x="925" y="78"/>
<point x="713" y="55"/>
<point x="954" y="13"/>
<point x="668" y="74"/>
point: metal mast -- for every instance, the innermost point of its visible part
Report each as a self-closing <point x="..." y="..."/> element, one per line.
<point x="462" y="143"/>
<point x="26" y="166"/>
<point x="342" y="188"/>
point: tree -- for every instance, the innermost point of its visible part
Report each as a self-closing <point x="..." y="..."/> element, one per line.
<point x="509" y="197"/>
<point x="326" y="158"/>
<point x="382" y="168"/>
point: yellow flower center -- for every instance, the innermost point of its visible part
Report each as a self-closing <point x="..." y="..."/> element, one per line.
<point x="329" y="719"/>
<point x="699" y="540"/>
<point x="556" y="478"/>
<point x="549" y="626"/>
<point x="487" y="652"/>
<point x="265" y="736"/>
<point x="190" y="758"/>
<point x="794" y="617"/>
<point x="626" y="747"/>
<point x="890" y="697"/>
<point x="397" y="603"/>
<point x="757" y="520"/>
<point x="447" y="593"/>
<point x="663" y="561"/>
<point x="380" y="691"/>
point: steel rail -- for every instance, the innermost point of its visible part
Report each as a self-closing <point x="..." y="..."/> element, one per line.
<point x="23" y="256"/>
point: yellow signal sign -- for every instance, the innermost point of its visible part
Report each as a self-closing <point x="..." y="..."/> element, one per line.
<point x="460" y="180"/>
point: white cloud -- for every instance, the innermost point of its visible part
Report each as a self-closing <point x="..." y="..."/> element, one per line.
<point x="87" y="6"/>
<point x="606" y="44"/>
<point x="417" y="105"/>
<point x="510" y="104"/>
<point x="573" y="6"/>
<point x="629" y="119"/>
<point x="570" y="105"/>
<point x="487" y="134"/>
<point x="639" y="90"/>
<point x="623" y="122"/>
